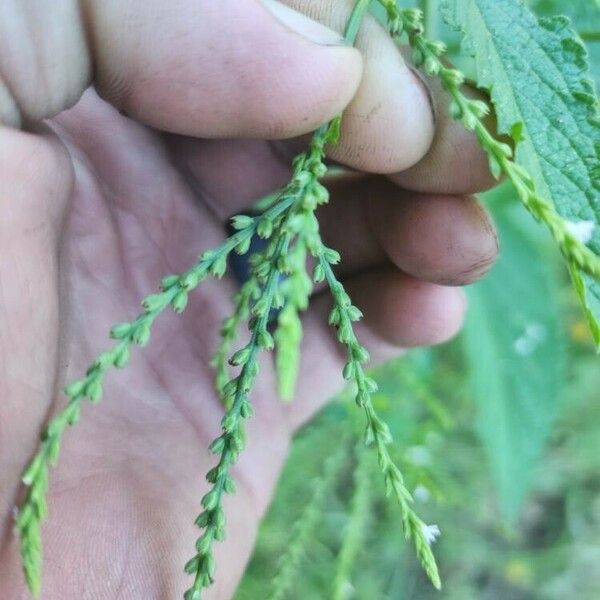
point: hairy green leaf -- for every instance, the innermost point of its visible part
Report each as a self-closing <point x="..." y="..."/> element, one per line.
<point x="536" y="72"/>
<point x="585" y="17"/>
<point x="516" y="359"/>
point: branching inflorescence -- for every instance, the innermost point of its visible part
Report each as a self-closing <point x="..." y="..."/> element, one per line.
<point x="279" y="281"/>
<point x="264" y="289"/>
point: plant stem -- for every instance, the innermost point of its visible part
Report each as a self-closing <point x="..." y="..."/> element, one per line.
<point x="430" y="16"/>
<point x="377" y="432"/>
<point x="304" y="527"/>
<point x="355" y="20"/>
<point x="590" y="36"/>
<point x="231" y="441"/>
<point x="229" y="331"/>
<point x="356" y="527"/>
<point x="416" y="385"/>
<point x="296" y="291"/>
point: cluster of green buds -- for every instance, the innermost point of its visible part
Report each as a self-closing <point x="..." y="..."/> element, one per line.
<point x="343" y="315"/>
<point x="264" y="291"/>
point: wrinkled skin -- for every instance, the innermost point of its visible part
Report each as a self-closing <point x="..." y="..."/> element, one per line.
<point x="96" y="205"/>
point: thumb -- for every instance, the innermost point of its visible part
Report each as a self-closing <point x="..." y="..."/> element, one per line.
<point x="241" y="68"/>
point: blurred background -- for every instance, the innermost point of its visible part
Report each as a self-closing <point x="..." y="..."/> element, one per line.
<point x="497" y="433"/>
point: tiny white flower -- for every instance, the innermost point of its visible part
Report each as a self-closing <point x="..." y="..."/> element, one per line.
<point x="430" y="533"/>
<point x="582" y="230"/>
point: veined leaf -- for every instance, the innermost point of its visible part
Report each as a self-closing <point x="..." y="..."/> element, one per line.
<point x="516" y="358"/>
<point x="536" y="72"/>
<point x="585" y="17"/>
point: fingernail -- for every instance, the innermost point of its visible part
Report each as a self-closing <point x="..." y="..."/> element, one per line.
<point x="299" y="23"/>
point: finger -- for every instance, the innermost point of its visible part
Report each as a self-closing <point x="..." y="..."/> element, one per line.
<point x="248" y="69"/>
<point x="399" y="312"/>
<point x="449" y="240"/>
<point x="389" y="121"/>
<point x="455" y="163"/>
<point x="35" y="183"/>
<point x="230" y="175"/>
<point x="405" y="311"/>
<point x="388" y="126"/>
<point x="443" y="239"/>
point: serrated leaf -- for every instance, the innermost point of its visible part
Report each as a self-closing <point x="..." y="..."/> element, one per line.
<point x="516" y="359"/>
<point x="536" y="73"/>
<point x="584" y="14"/>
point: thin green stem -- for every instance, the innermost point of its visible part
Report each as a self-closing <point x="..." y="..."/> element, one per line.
<point x="430" y="10"/>
<point x="305" y="526"/>
<point x="415" y="385"/>
<point x="590" y="36"/>
<point x="295" y="290"/>
<point x="377" y="432"/>
<point x="355" y="20"/>
<point x="229" y="331"/>
<point x="230" y="443"/>
<point x="357" y="525"/>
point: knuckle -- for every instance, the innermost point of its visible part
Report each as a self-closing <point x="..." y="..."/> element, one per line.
<point x="44" y="61"/>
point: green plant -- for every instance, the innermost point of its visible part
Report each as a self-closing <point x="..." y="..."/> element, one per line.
<point x="304" y="528"/>
<point x="279" y="281"/>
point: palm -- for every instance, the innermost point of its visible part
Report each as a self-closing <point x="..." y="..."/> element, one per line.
<point x="125" y="495"/>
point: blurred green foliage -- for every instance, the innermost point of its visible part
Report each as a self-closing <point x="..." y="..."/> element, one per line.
<point x="498" y="434"/>
<point x="515" y="352"/>
<point x="551" y="552"/>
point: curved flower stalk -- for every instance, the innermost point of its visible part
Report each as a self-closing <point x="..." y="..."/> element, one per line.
<point x="427" y="55"/>
<point x="296" y="290"/>
<point x="377" y="433"/>
<point x="236" y="395"/>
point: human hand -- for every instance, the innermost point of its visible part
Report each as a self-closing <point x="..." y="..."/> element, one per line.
<point x="99" y="205"/>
